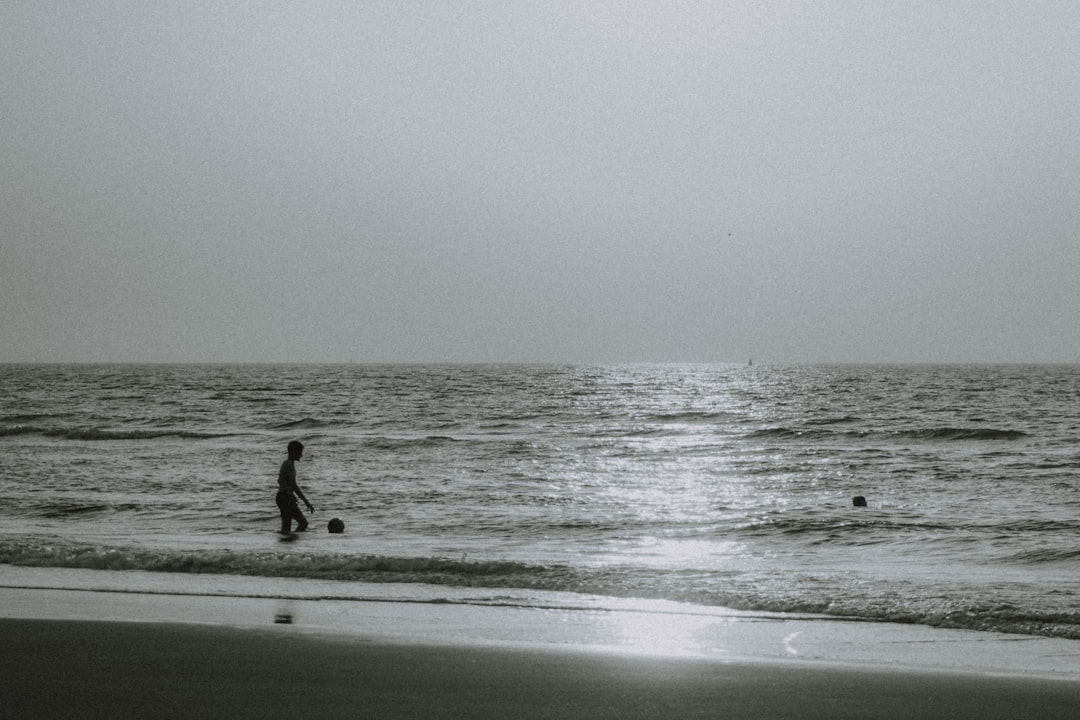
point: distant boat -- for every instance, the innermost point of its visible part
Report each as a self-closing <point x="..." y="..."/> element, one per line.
<point x="750" y="362"/>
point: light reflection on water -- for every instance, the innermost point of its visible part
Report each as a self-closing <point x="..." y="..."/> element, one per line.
<point x="666" y="635"/>
<point x="684" y="553"/>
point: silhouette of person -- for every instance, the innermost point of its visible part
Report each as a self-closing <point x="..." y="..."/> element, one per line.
<point x="288" y="490"/>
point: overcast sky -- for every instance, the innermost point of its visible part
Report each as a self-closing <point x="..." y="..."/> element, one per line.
<point x="561" y="180"/>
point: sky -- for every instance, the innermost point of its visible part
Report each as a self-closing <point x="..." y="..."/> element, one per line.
<point x="567" y="181"/>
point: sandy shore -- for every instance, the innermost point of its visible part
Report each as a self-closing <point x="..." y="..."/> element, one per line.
<point x="131" y="655"/>
<point x="79" y="669"/>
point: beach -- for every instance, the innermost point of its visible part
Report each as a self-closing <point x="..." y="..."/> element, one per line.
<point x="84" y="654"/>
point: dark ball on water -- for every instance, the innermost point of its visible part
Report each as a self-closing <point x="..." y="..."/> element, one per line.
<point x="336" y="526"/>
<point x="859" y="501"/>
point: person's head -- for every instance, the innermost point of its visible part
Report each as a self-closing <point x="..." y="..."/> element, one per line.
<point x="296" y="450"/>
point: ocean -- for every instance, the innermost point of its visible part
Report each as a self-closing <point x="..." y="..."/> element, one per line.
<point x="696" y="487"/>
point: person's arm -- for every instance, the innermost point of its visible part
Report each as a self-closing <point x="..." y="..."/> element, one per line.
<point x="288" y="469"/>
<point x="300" y="494"/>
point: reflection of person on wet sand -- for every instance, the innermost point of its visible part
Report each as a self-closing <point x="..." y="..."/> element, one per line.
<point x="288" y="491"/>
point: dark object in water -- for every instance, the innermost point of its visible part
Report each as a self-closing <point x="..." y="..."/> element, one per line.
<point x="859" y="501"/>
<point x="283" y="618"/>
<point x="336" y="526"/>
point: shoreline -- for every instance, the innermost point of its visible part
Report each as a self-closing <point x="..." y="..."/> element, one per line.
<point x="94" y="654"/>
<point x="412" y="615"/>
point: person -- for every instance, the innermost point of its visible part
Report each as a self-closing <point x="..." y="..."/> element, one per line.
<point x="288" y="491"/>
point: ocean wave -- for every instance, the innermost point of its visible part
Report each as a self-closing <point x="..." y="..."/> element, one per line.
<point x="834" y="420"/>
<point x="781" y="432"/>
<point x="855" y="530"/>
<point x="952" y="433"/>
<point x="690" y="416"/>
<point x="1002" y="618"/>
<point x="102" y="434"/>
<point x="61" y="511"/>
<point x="19" y="429"/>
<point x="1065" y="527"/>
<point x="869" y="530"/>
<point x="612" y="582"/>
<point x="389" y="443"/>
<point x="323" y="566"/>
<point x="22" y="419"/>
<point x="303" y="424"/>
<point x="1045" y="555"/>
<point x="66" y="511"/>
<point x="947" y="434"/>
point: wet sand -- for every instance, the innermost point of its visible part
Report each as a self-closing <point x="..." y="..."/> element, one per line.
<point x="81" y="669"/>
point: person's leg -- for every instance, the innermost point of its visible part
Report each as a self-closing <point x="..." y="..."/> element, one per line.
<point x="282" y="501"/>
<point x="301" y="521"/>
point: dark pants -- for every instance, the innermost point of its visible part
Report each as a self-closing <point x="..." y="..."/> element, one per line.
<point x="290" y="511"/>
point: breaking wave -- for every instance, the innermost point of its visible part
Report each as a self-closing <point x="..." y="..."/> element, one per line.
<point x="641" y="583"/>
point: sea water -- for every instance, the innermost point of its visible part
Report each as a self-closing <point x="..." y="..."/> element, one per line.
<point x="715" y="486"/>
